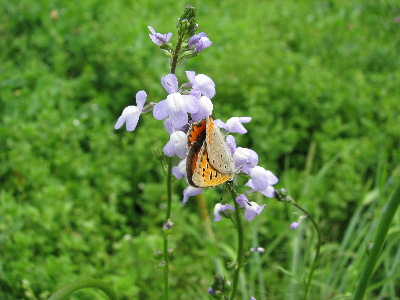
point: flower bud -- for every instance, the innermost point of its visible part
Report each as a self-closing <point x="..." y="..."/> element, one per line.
<point x="186" y="24"/>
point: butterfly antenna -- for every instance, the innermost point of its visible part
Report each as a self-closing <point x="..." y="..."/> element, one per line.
<point x="229" y="184"/>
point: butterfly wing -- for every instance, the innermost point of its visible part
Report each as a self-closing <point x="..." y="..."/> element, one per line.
<point x="219" y="154"/>
<point x="205" y="174"/>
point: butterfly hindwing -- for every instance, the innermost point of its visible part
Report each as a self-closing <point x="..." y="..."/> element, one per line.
<point x="206" y="175"/>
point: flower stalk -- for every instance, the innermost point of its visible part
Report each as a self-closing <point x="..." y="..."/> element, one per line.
<point x="240" y="249"/>
<point x="208" y="157"/>
<point x="167" y="232"/>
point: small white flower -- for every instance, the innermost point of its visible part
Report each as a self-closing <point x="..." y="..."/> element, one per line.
<point x="131" y="114"/>
<point x="177" y="145"/>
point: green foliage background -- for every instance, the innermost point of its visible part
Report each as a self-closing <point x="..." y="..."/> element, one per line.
<point x="78" y="199"/>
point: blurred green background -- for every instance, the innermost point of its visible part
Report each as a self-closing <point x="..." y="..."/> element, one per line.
<point x="79" y="199"/>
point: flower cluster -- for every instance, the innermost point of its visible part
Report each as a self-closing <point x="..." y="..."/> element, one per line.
<point x="191" y="102"/>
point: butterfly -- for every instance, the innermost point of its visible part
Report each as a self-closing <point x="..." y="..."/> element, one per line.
<point x="209" y="161"/>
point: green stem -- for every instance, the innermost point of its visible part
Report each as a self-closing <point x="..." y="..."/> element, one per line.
<point x="65" y="291"/>
<point x="379" y="241"/>
<point x="169" y="188"/>
<point x="177" y="51"/>
<point x="240" y="250"/>
<point x="167" y="217"/>
<point x="317" y="251"/>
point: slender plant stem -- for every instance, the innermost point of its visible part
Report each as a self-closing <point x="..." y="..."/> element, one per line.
<point x="240" y="250"/>
<point x="169" y="188"/>
<point x="379" y="241"/>
<point x="167" y="217"/>
<point x="317" y="251"/>
<point x="67" y="290"/>
<point x="174" y="63"/>
<point x="177" y="51"/>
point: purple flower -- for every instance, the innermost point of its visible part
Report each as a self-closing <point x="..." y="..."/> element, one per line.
<point x="231" y="142"/>
<point x="244" y="158"/>
<point x="176" y="106"/>
<point x="180" y="170"/>
<point x="190" y="191"/>
<point x="159" y="38"/>
<point x="211" y="291"/>
<point x="262" y="181"/>
<point x="252" y="298"/>
<point x="168" y="225"/>
<point x="234" y="124"/>
<point x="131" y="114"/>
<point x="258" y="249"/>
<point x="252" y="208"/>
<point x="177" y="145"/>
<point x="168" y="126"/>
<point x="199" y="42"/>
<point x="219" y="210"/>
<point x="205" y="108"/>
<point x="294" y="225"/>
<point x="202" y="82"/>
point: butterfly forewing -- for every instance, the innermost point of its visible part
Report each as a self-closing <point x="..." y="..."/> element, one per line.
<point x="219" y="154"/>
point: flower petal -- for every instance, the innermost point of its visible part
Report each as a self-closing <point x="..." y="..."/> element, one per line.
<point x="170" y="83"/>
<point x="269" y="192"/>
<point x="130" y="115"/>
<point x="235" y="124"/>
<point x="180" y="170"/>
<point x="191" y="104"/>
<point x="231" y="142"/>
<point x="220" y="208"/>
<point x="160" y="110"/>
<point x="205" y="108"/>
<point x="242" y="200"/>
<point x="206" y="85"/>
<point x="191" y="75"/>
<point x="259" y="178"/>
<point x="253" y="210"/>
<point x="179" y="119"/>
<point x="141" y="99"/>
<point x="245" y="158"/>
<point x="221" y="124"/>
<point x="131" y="123"/>
<point x="191" y="191"/>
